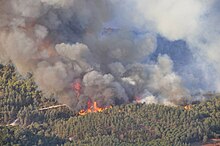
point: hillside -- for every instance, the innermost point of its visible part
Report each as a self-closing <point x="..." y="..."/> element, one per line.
<point x="131" y="124"/>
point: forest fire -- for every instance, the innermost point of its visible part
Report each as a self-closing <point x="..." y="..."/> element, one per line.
<point x="93" y="108"/>
<point x="137" y="99"/>
<point x="77" y="88"/>
<point x="188" y="107"/>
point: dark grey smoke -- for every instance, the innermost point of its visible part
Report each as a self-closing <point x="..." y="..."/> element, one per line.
<point x="92" y="43"/>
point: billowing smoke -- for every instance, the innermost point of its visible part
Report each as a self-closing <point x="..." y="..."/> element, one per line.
<point x="197" y="23"/>
<point x="82" y="50"/>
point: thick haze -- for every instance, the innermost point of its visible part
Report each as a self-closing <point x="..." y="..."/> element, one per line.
<point x="107" y="47"/>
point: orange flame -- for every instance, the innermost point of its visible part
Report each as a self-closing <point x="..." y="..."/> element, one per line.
<point x="188" y="107"/>
<point x="93" y="109"/>
<point x="77" y="88"/>
<point x="137" y="99"/>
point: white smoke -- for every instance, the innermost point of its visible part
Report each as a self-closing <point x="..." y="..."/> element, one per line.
<point x="174" y="19"/>
<point x="194" y="21"/>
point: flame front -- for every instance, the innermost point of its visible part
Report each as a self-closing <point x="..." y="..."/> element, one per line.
<point x="188" y="107"/>
<point x="93" y="108"/>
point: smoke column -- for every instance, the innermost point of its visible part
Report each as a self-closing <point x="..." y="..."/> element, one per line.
<point x="100" y="50"/>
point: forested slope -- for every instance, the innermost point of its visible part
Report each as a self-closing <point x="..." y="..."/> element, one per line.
<point x="131" y="124"/>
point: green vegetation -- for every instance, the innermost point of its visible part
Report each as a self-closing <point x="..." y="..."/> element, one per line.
<point x="132" y="124"/>
<point x="18" y="95"/>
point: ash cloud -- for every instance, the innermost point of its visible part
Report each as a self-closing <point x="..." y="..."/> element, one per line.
<point x="91" y="42"/>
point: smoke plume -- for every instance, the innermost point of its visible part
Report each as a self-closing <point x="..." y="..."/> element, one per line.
<point x="195" y="22"/>
<point x="83" y="50"/>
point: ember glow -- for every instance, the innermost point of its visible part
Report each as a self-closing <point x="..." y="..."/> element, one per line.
<point x="188" y="107"/>
<point x="137" y="99"/>
<point x="93" y="108"/>
<point x="77" y="88"/>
